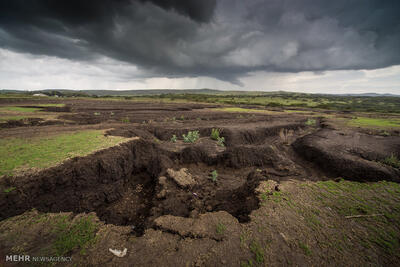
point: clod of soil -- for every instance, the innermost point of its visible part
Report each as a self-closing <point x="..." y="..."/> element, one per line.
<point x="182" y="177"/>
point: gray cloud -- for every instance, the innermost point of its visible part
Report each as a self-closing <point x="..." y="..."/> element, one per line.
<point x="225" y="39"/>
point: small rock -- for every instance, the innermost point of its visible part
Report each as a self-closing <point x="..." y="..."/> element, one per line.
<point x="162" y="194"/>
<point x="162" y="180"/>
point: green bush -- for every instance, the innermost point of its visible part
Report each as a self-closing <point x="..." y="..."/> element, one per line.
<point x="310" y="122"/>
<point x="214" y="175"/>
<point x="191" y="137"/>
<point x="174" y="138"/>
<point x="221" y="141"/>
<point x="215" y="134"/>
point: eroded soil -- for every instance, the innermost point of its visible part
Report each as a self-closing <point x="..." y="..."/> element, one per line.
<point x="157" y="198"/>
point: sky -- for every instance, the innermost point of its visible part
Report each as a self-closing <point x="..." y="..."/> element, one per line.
<point x="316" y="46"/>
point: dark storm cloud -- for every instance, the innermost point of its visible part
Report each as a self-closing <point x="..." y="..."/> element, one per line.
<point x="225" y="39"/>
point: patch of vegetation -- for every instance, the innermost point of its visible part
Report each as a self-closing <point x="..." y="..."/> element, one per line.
<point x="20" y="109"/>
<point x="214" y="175"/>
<point x="220" y="228"/>
<point x="258" y="252"/>
<point x="125" y="120"/>
<point x="97" y="113"/>
<point x="174" y="138"/>
<point x="248" y="263"/>
<point x="310" y="122"/>
<point x="191" y="137"/>
<point x="9" y="189"/>
<point x="305" y="248"/>
<point x="375" y="122"/>
<point x="392" y="161"/>
<point x="221" y="141"/>
<point x="77" y="235"/>
<point x="43" y="152"/>
<point x="278" y="196"/>
<point x="215" y="134"/>
<point x="378" y="202"/>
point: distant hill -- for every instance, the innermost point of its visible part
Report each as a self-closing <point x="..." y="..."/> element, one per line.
<point x="370" y="94"/>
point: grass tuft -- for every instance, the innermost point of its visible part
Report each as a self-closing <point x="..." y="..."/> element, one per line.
<point x="392" y="160"/>
<point x="72" y="236"/>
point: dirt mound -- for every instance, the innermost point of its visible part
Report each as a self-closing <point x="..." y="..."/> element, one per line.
<point x="350" y="155"/>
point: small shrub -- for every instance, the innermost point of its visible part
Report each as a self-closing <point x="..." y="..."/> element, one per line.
<point x="214" y="175"/>
<point x="174" y="138"/>
<point x="97" y="113"/>
<point x="112" y="113"/>
<point x="125" y="120"/>
<point x="310" y="122"/>
<point x="215" y="134"/>
<point x="191" y="137"/>
<point x="221" y="141"/>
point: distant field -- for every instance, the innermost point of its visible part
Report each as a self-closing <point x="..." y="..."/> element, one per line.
<point x="24" y="153"/>
<point x="375" y="122"/>
<point x="19" y="109"/>
<point x="330" y="102"/>
<point x="381" y="104"/>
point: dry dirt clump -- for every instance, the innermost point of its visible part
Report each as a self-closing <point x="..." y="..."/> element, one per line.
<point x="216" y="225"/>
<point x="182" y="177"/>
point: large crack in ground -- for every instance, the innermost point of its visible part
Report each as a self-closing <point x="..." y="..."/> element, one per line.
<point x="122" y="185"/>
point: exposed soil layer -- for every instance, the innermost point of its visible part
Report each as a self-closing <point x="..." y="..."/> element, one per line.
<point x="351" y="155"/>
<point x="122" y="184"/>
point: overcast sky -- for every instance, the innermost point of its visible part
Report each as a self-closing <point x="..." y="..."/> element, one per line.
<point x="341" y="46"/>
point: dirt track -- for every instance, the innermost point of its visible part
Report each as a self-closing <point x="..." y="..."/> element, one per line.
<point x="133" y="185"/>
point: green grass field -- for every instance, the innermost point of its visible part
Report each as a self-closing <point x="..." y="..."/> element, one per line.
<point x="22" y="153"/>
<point x="19" y="109"/>
<point x="375" y="122"/>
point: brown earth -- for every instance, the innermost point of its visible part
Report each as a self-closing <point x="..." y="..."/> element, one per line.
<point x="166" y="216"/>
